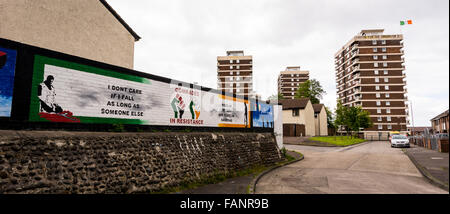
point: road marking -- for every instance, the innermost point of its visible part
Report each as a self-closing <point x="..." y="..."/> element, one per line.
<point x="436" y="158"/>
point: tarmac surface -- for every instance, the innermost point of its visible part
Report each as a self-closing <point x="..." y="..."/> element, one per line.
<point x="432" y="164"/>
<point x="371" y="167"/>
<point x="238" y="185"/>
<point x="367" y="168"/>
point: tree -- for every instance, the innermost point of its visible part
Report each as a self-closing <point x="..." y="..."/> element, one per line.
<point x="352" y="119"/>
<point x="310" y="89"/>
<point x="340" y="114"/>
<point x="357" y="118"/>
<point x="330" y="120"/>
<point x="278" y="96"/>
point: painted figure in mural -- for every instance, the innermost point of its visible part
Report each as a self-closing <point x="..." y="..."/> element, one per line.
<point x="47" y="96"/>
<point x="2" y="59"/>
<point x="194" y="108"/>
<point x="178" y="106"/>
<point x="246" y="115"/>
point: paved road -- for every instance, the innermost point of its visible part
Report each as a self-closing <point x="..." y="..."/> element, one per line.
<point x="368" y="168"/>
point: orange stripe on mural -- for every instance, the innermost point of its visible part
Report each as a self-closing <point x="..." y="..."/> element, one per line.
<point x="409" y="22"/>
<point x="233" y="99"/>
<point x="232" y="125"/>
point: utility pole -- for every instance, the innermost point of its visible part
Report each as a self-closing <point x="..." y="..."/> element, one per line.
<point x="412" y="117"/>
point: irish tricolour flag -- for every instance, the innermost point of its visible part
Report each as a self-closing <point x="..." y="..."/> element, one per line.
<point x="404" y="22"/>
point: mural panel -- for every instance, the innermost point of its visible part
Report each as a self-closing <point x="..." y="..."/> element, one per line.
<point x="7" y="70"/>
<point x="68" y="92"/>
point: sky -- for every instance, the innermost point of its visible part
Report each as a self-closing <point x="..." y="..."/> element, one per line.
<point x="181" y="39"/>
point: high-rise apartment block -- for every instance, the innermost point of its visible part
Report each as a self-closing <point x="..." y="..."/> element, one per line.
<point x="370" y="73"/>
<point x="235" y="74"/>
<point x="289" y="80"/>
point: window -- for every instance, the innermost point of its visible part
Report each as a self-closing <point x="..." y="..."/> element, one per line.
<point x="385" y="72"/>
<point x="378" y="103"/>
<point x="292" y="80"/>
<point x="374" y="42"/>
<point x="388" y="111"/>
<point x="238" y="90"/>
<point x="387" y="95"/>
<point x="380" y="119"/>
<point x="377" y="87"/>
<point x="378" y="111"/>
<point x="384" y="64"/>
<point x="292" y="84"/>
<point x="231" y="90"/>
<point x="376" y="72"/>
<point x="389" y="126"/>
<point x="389" y="119"/>
<point x="383" y="49"/>
<point x="237" y="73"/>
<point x="293" y="89"/>
<point x="238" y="84"/>
<point x="384" y="57"/>
<point x="297" y="75"/>
<point x="292" y="75"/>
<point x="231" y="84"/>
<point x="237" y="78"/>
<point x="292" y="93"/>
<point x="231" y="72"/>
<point x="386" y="79"/>
<point x="375" y="64"/>
<point x="231" y="67"/>
<point x="377" y="79"/>
<point x="231" y="78"/>
<point x="386" y="87"/>
<point x="231" y="61"/>
<point x="375" y="57"/>
<point x="383" y="42"/>
<point x="295" y="112"/>
<point x="237" y="61"/>
<point x="388" y="103"/>
<point x="380" y="127"/>
<point x="238" y="67"/>
<point x="375" y="50"/>
<point x="378" y="95"/>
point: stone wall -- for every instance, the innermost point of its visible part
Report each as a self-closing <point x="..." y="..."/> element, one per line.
<point x="88" y="162"/>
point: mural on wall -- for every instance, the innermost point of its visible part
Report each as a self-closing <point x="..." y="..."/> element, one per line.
<point x="7" y="70"/>
<point x="185" y="100"/>
<point x="263" y="115"/>
<point x="228" y="111"/>
<point x="68" y="92"/>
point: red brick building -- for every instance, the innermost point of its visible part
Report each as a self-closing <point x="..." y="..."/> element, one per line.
<point x="439" y="124"/>
<point x="290" y="79"/>
<point x="370" y="73"/>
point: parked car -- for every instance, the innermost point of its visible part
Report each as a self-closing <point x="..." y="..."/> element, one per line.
<point x="399" y="141"/>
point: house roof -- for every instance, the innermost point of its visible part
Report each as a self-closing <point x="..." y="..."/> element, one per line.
<point x="444" y="114"/>
<point x="294" y="103"/>
<point x="317" y="108"/>
<point x="115" y="14"/>
<point x="419" y="128"/>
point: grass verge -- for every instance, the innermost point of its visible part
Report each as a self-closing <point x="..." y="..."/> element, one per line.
<point x="338" y="140"/>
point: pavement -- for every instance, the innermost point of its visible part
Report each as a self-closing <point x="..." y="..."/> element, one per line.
<point x="371" y="167"/>
<point x="367" y="168"/>
<point x="238" y="185"/>
<point x="432" y="164"/>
